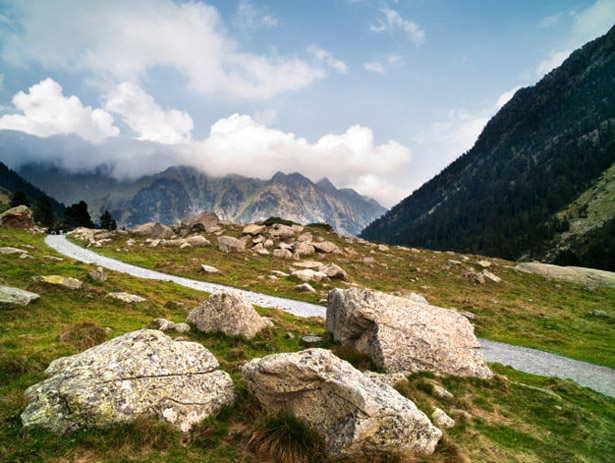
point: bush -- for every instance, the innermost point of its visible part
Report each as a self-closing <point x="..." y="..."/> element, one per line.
<point x="321" y="225"/>
<point x="273" y="220"/>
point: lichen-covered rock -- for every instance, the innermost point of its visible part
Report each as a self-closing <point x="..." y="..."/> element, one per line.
<point x="252" y="229"/>
<point x="97" y="274"/>
<point x="228" y="312"/>
<point x="17" y="217"/>
<point x="353" y="414"/>
<point x="282" y="232"/>
<point x="334" y="271"/>
<point x="59" y="280"/>
<point x="485" y="276"/>
<point x="163" y="324"/>
<point x="326" y="246"/>
<point x="401" y="335"/>
<point x="16" y="296"/>
<point x="139" y="373"/>
<point x="206" y="221"/>
<point x="441" y="419"/>
<point x="230" y="244"/>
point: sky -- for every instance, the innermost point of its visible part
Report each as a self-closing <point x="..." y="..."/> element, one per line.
<point x="375" y="95"/>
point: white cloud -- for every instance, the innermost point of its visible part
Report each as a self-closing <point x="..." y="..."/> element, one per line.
<point x="505" y="97"/>
<point x="45" y="111"/>
<point x="265" y="116"/>
<point x="146" y="118"/>
<point x="239" y="144"/>
<point x="374" y="66"/>
<point x="123" y="40"/>
<point x="249" y="17"/>
<point x="551" y="20"/>
<point x="378" y="188"/>
<point x="394" y="22"/>
<point x="587" y="25"/>
<point x="326" y="57"/>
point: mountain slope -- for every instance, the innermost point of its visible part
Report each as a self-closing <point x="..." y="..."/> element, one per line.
<point x="540" y="152"/>
<point x="181" y="191"/>
<point x="11" y="181"/>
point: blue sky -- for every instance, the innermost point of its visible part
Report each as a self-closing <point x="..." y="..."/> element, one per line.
<point x="376" y="95"/>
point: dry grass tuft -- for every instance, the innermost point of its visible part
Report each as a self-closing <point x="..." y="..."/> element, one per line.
<point x="83" y="335"/>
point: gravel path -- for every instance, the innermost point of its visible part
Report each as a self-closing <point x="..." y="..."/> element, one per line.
<point x="599" y="378"/>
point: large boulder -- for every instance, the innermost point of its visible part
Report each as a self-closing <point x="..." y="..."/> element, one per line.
<point x="353" y="414"/>
<point x="139" y="373"/>
<point x="153" y="230"/>
<point x="282" y="232"/>
<point x="401" y="335"/>
<point x="16" y="296"/>
<point x="228" y="312"/>
<point x="252" y="229"/>
<point x="17" y="217"/>
<point x="326" y="246"/>
<point x="206" y="221"/>
<point x="59" y="280"/>
<point x="230" y="244"/>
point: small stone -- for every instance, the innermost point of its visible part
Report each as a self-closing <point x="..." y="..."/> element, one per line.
<point x="59" y="280"/>
<point x="98" y="274"/>
<point x="304" y="288"/>
<point x="209" y="269"/>
<point x="288" y="335"/>
<point x="16" y="296"/>
<point x="311" y="339"/>
<point x="441" y="393"/>
<point x="599" y="314"/>
<point x="441" y="419"/>
<point x="125" y="297"/>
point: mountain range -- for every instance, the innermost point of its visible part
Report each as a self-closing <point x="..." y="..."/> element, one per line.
<point x="538" y="183"/>
<point x="179" y="192"/>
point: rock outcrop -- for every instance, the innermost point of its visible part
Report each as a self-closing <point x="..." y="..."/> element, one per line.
<point x="139" y="373"/>
<point x="206" y="221"/>
<point x="153" y="230"/>
<point x="230" y="244"/>
<point x="353" y="414"/>
<point x="230" y="313"/>
<point x="17" y="217"/>
<point x="16" y="296"/>
<point x="400" y="335"/>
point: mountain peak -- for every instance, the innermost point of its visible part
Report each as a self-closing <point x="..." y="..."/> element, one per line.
<point x="326" y="185"/>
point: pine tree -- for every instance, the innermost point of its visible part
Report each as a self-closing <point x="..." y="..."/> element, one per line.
<point x="106" y="221"/>
<point x="19" y="198"/>
<point x="43" y="212"/>
<point x="77" y="215"/>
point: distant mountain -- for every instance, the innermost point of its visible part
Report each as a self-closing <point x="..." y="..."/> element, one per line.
<point x="11" y="181"/>
<point x="513" y="194"/>
<point x="181" y="191"/>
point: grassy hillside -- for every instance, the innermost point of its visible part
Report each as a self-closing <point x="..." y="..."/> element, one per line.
<point x="523" y="309"/>
<point x="513" y="418"/>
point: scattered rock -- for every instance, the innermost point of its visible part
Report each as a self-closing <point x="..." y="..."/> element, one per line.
<point x="383" y="248"/>
<point x="288" y="335"/>
<point x="17" y="217"/>
<point x="128" y="298"/>
<point x="209" y="269"/>
<point x="153" y="230"/>
<point x="302" y="250"/>
<point x="139" y="373"/>
<point x="442" y="419"/>
<point x="205" y="221"/>
<point x="230" y="244"/>
<point x="305" y="238"/>
<point x="468" y="315"/>
<point x="282" y="232"/>
<point x="599" y="314"/>
<point x="252" y="229"/>
<point x="326" y="246"/>
<point x="441" y="393"/>
<point x="282" y="253"/>
<point x="16" y="296"/>
<point x="98" y="273"/>
<point x="56" y="258"/>
<point x="369" y="260"/>
<point x="309" y="264"/>
<point x="308" y="275"/>
<point x="280" y="273"/>
<point x="197" y="240"/>
<point x="167" y="325"/>
<point x="485" y="276"/>
<point x="484" y="263"/>
<point x="59" y="280"/>
<point x="311" y="339"/>
<point x="230" y="313"/>
<point x="9" y="251"/>
<point x="461" y="414"/>
<point x="304" y="288"/>
<point x="400" y="335"/>
<point x="353" y="415"/>
<point x="335" y="272"/>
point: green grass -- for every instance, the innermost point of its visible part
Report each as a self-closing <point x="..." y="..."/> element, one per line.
<point x="524" y="309"/>
<point x="515" y="417"/>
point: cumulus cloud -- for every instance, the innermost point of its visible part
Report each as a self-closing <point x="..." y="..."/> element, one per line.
<point x="45" y="111"/>
<point x="123" y="40"/>
<point x="146" y="118"/>
<point x="381" y="65"/>
<point x="394" y="22"/>
<point x="249" y="17"/>
<point x="374" y="66"/>
<point x="587" y="25"/>
<point x="326" y="57"/>
<point x="265" y="116"/>
<point x="378" y="188"/>
<point x="551" y="20"/>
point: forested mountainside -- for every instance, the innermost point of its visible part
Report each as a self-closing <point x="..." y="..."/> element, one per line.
<point x="181" y="191"/>
<point x="508" y="196"/>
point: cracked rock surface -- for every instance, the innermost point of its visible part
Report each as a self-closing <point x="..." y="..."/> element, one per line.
<point x="143" y="372"/>
<point x="353" y="414"/>
<point x="402" y="335"/>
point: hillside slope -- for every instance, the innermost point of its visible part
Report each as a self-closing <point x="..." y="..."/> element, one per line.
<point x="549" y="144"/>
<point x="11" y="181"/>
<point x="182" y="191"/>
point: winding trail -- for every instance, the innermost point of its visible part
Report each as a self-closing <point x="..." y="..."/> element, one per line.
<point x="599" y="378"/>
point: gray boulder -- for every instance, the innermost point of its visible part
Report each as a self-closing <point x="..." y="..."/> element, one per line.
<point x="126" y="297"/>
<point x="230" y="313"/>
<point x="282" y="232"/>
<point x="230" y="244"/>
<point x="98" y="273"/>
<point x="353" y="414"/>
<point x="334" y="271"/>
<point x="326" y="246"/>
<point x="401" y="335"/>
<point x="59" y="280"/>
<point x="197" y="240"/>
<point x="139" y="373"/>
<point x="252" y="229"/>
<point x="153" y="230"/>
<point x="206" y="221"/>
<point x="16" y="296"/>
